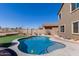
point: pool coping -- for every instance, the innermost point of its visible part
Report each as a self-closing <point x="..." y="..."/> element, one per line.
<point x="15" y="48"/>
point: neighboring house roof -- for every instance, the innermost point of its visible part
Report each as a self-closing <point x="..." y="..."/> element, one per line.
<point x="60" y="8"/>
<point x="50" y="25"/>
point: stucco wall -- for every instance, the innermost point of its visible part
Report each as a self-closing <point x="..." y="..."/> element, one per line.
<point x="67" y="18"/>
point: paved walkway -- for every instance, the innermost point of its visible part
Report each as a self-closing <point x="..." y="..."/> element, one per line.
<point x="71" y="49"/>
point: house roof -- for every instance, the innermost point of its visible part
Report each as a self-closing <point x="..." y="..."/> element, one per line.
<point x="60" y="8"/>
<point x="50" y="25"/>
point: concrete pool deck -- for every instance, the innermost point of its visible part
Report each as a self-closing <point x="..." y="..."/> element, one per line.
<point x="71" y="49"/>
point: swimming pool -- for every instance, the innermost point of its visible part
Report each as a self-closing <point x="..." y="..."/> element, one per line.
<point x="35" y="45"/>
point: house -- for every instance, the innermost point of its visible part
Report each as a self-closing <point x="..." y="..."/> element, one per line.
<point x="51" y="28"/>
<point x="69" y="20"/>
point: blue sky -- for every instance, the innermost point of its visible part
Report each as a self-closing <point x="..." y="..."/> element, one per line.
<point x="31" y="15"/>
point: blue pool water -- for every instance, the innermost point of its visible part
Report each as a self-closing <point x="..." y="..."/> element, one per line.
<point x="35" y="45"/>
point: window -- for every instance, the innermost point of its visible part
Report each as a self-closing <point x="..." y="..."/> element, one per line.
<point x="76" y="27"/>
<point x="60" y="16"/>
<point x="62" y="28"/>
<point x="75" y="6"/>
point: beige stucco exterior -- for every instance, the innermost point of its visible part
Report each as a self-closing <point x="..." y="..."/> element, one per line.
<point x="67" y="18"/>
